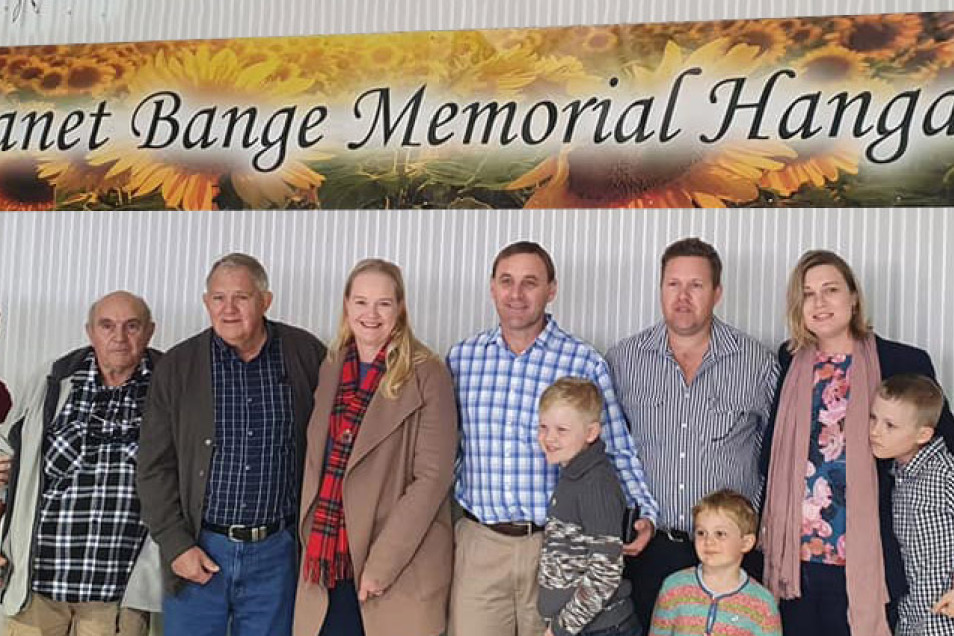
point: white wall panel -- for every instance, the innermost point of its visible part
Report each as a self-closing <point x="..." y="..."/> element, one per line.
<point x="52" y="265"/>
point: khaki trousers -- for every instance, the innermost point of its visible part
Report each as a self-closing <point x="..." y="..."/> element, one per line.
<point x="494" y="592"/>
<point x="46" y="617"/>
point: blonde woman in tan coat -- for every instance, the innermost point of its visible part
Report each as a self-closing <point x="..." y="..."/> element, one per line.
<point x="375" y="521"/>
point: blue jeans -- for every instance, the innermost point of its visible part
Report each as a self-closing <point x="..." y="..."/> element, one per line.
<point x="252" y="594"/>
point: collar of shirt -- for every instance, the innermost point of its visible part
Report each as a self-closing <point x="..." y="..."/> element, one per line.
<point x="743" y="581"/>
<point x="228" y="351"/>
<point x="722" y="342"/>
<point x="550" y="331"/>
<point x="920" y="460"/>
<point x="585" y="460"/>
<point x="88" y="374"/>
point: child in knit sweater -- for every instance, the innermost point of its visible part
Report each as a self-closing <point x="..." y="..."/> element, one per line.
<point x="717" y="597"/>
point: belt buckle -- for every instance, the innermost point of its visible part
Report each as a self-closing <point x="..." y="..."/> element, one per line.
<point x="255" y="533"/>
<point x="672" y="537"/>
<point x="231" y="534"/>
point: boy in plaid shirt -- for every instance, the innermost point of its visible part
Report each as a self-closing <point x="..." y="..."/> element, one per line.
<point x="904" y="415"/>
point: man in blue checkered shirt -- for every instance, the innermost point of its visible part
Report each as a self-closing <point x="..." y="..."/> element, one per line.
<point x="503" y="482"/>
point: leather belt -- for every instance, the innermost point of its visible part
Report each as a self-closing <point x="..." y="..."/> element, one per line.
<point x="248" y="534"/>
<point x="516" y="529"/>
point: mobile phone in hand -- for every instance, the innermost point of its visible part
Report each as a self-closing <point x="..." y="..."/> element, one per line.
<point x="629" y="524"/>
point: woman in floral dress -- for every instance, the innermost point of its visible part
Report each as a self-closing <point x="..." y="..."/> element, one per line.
<point x="830" y="552"/>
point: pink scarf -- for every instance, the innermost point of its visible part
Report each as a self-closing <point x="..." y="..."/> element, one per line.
<point x="782" y="517"/>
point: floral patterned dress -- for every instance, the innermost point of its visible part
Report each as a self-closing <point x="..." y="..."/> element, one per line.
<point x="824" y="511"/>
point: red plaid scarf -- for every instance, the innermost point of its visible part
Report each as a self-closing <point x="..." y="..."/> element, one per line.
<point x="326" y="557"/>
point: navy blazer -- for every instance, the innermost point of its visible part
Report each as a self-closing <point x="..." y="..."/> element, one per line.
<point x="895" y="358"/>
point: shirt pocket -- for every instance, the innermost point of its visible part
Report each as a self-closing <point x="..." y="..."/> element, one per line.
<point x="727" y="418"/>
<point x="644" y="414"/>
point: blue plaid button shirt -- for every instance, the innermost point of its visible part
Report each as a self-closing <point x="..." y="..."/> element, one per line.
<point x="253" y="478"/>
<point x="501" y="474"/>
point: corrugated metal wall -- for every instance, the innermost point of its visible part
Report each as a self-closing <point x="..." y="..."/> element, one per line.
<point x="53" y="265"/>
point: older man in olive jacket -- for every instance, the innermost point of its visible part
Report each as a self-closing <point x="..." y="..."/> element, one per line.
<point x="221" y="460"/>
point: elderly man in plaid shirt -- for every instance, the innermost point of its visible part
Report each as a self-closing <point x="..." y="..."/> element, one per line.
<point x="503" y="482"/>
<point x="75" y="549"/>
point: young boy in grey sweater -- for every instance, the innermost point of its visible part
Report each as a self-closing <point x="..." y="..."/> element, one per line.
<point x="582" y="589"/>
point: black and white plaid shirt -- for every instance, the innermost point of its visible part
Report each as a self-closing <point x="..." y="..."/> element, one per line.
<point x="923" y="510"/>
<point x="253" y="476"/>
<point x="89" y="532"/>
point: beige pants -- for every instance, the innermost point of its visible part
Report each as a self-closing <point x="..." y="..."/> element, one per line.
<point x="495" y="583"/>
<point x="45" y="617"/>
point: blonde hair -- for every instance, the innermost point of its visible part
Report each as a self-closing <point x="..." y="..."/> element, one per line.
<point x="404" y="350"/>
<point x="577" y="393"/>
<point x="919" y="391"/>
<point x="731" y="504"/>
<point x="800" y="336"/>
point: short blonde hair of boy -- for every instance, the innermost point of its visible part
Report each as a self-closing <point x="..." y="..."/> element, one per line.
<point x="578" y="393"/>
<point x="919" y="391"/>
<point x="731" y="504"/>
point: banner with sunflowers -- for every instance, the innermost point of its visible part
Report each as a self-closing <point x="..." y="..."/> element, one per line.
<point x="808" y="112"/>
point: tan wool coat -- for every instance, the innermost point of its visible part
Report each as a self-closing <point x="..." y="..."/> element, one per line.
<point x="396" y="496"/>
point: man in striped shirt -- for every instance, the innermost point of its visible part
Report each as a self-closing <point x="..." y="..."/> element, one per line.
<point x="697" y="394"/>
<point x="503" y="481"/>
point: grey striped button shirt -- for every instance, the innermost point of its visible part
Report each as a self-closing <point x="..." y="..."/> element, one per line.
<point x="702" y="437"/>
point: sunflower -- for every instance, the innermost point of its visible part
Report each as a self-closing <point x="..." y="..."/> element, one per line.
<point x="505" y="39"/>
<point x="645" y="43"/>
<point x="560" y="74"/>
<point x="89" y="77"/>
<point x="717" y="58"/>
<point x="819" y="165"/>
<point x="29" y="72"/>
<point x="74" y="175"/>
<point x="503" y="74"/>
<point x="921" y="63"/>
<point x="876" y="36"/>
<point x="184" y="184"/>
<point x="768" y="38"/>
<point x="52" y="83"/>
<point x="832" y="65"/>
<point x="706" y="31"/>
<point x="589" y="40"/>
<point x="15" y="61"/>
<point x="381" y="55"/>
<point x="329" y="62"/>
<point x="192" y="182"/>
<point x="800" y="33"/>
<point x="652" y="179"/>
<point x="21" y="188"/>
<point x="49" y="50"/>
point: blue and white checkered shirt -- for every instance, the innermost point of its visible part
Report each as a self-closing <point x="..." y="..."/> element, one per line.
<point x="502" y="475"/>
